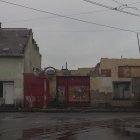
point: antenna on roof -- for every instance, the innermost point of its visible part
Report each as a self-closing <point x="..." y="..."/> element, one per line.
<point x="66" y="66"/>
<point x="138" y="42"/>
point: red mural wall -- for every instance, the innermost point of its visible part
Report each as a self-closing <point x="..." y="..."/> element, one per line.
<point x="73" y="90"/>
<point x="36" y="91"/>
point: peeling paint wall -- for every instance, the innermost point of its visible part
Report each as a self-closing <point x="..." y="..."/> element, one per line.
<point x="113" y="64"/>
<point x="11" y="70"/>
<point x="102" y="83"/>
<point x="32" y="57"/>
<point x="101" y="89"/>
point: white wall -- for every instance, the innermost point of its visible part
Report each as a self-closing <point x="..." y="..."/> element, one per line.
<point x="11" y="69"/>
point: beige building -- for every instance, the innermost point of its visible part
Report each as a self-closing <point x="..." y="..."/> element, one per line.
<point x="19" y="54"/>
<point x="112" y="81"/>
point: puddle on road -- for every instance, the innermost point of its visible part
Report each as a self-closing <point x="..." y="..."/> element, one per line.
<point x="9" y="118"/>
<point x="117" y="129"/>
<point x="128" y="128"/>
<point x="66" y="131"/>
<point x="79" y="129"/>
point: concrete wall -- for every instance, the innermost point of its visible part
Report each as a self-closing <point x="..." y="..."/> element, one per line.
<point x="78" y="72"/>
<point x="11" y="69"/>
<point x="32" y="57"/>
<point x="102" y="87"/>
<point x="102" y="84"/>
<point x="81" y="72"/>
<point x="101" y="90"/>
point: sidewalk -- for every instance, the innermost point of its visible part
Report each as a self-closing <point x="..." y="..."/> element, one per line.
<point x="69" y="110"/>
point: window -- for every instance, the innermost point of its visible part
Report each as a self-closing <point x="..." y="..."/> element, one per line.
<point x="121" y="90"/>
<point x="1" y="89"/>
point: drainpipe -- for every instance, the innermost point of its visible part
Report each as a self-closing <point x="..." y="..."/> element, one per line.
<point x="0" y="25"/>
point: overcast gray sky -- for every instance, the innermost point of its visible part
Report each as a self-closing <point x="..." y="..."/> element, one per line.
<point x="80" y="44"/>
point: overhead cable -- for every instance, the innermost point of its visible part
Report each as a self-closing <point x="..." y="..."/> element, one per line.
<point x="68" y="17"/>
<point x="40" y="18"/>
<point x="133" y="3"/>
<point x="126" y="6"/>
<point x="112" y="8"/>
<point x="76" y="31"/>
<point x="118" y="2"/>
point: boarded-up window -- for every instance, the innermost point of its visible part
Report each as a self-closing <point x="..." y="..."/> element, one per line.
<point x="106" y="72"/>
<point x="128" y="71"/>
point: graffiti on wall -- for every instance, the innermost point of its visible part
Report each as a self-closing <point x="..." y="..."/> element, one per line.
<point x="78" y="93"/>
<point x="61" y="93"/>
<point x="30" y="100"/>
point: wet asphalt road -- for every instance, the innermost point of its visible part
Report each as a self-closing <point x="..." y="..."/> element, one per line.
<point x="70" y="126"/>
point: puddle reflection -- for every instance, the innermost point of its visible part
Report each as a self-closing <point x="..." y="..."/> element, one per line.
<point x="66" y="131"/>
<point x="128" y="129"/>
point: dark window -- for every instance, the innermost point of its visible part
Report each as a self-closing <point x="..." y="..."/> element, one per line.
<point x="1" y="89"/>
<point x="121" y="90"/>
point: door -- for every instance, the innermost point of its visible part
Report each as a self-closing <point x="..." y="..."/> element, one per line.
<point x="9" y="92"/>
<point x="61" y="94"/>
<point x="1" y="89"/>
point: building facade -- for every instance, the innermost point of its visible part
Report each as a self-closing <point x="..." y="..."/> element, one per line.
<point x="65" y="83"/>
<point x="19" y="54"/>
<point x="112" y="81"/>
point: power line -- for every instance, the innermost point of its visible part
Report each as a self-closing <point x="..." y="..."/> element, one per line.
<point x="67" y="17"/>
<point x="126" y="6"/>
<point x="134" y="8"/>
<point x="133" y="3"/>
<point x="31" y="19"/>
<point x="118" y="2"/>
<point x="112" y="8"/>
<point x="76" y="31"/>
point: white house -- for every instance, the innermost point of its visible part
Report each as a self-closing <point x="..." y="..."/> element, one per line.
<point x="19" y="54"/>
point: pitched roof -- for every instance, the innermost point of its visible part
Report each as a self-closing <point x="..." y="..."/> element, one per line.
<point x="13" y="41"/>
